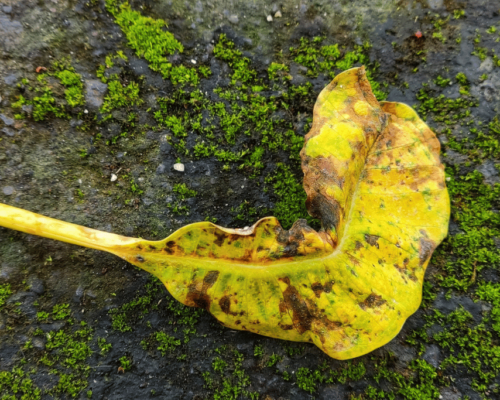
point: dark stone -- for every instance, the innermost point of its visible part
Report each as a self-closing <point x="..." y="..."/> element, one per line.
<point x="161" y="169"/>
<point x="35" y="285"/>
<point x="8" y="131"/>
<point x="52" y="327"/>
<point x="7" y="120"/>
<point x="446" y="306"/>
<point x="450" y="394"/>
<point x="38" y="343"/>
<point x="432" y="355"/>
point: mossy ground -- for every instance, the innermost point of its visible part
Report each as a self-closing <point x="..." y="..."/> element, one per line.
<point x="235" y="117"/>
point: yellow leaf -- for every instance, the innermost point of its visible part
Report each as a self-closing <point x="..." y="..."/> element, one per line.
<point x="372" y="176"/>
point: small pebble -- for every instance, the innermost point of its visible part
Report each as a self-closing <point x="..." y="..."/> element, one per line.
<point x="113" y="177"/>
<point x="269" y="18"/>
<point x="233" y="19"/>
<point x="179" y="167"/>
<point x="8" y="190"/>
<point x="6" y="120"/>
<point x="278" y="14"/>
<point x="193" y="61"/>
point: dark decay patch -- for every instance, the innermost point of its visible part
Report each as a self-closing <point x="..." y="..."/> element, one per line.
<point x="372" y="240"/>
<point x="140" y="258"/>
<point x="317" y="288"/>
<point x="426" y="247"/>
<point x="172" y="247"/>
<point x="200" y="298"/>
<point x="304" y="312"/>
<point x="328" y="212"/>
<point x="220" y="237"/>
<point x="372" y="301"/>
<point x="225" y="305"/>
<point x="301" y="316"/>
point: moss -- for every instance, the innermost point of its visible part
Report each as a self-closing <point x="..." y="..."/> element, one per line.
<point x="5" y="292"/>
<point x="465" y="254"/>
<point x="151" y="41"/>
<point x="166" y="342"/>
<point x="291" y="197"/>
<point x="41" y="96"/>
<point x="73" y="83"/>
<point x="120" y="96"/>
<point x="329" y="59"/>
<point x="230" y="381"/>
<point x="125" y="363"/>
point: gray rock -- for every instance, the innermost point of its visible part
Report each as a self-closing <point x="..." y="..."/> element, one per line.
<point x="490" y="172"/>
<point x="52" y="327"/>
<point x="435" y="4"/>
<point x="486" y="65"/>
<point x="333" y="393"/>
<point x="11" y="79"/>
<point x="6" y="120"/>
<point x="11" y="33"/>
<point x="7" y="272"/>
<point x="448" y="305"/>
<point x="233" y="19"/>
<point x="7" y="9"/>
<point x="27" y="108"/>
<point x="78" y="294"/>
<point x="432" y="355"/>
<point x="450" y="394"/>
<point x="19" y="297"/>
<point x="38" y="343"/>
<point x="7" y="190"/>
<point x="94" y="93"/>
<point x="161" y="169"/>
<point x="35" y="285"/>
<point x="455" y="158"/>
<point x="91" y="294"/>
<point x="8" y="131"/>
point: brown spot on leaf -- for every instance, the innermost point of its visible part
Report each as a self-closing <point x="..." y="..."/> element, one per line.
<point x="285" y="327"/>
<point x="317" y="288"/>
<point x="372" y="240"/>
<point x="426" y="247"/>
<point x="225" y="305"/>
<point x="372" y="301"/>
<point x="200" y="298"/>
<point x="221" y="236"/>
<point x="301" y="316"/>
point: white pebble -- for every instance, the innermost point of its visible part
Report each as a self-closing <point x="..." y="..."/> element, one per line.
<point x="269" y="18"/>
<point x="278" y="14"/>
<point x="179" y="167"/>
<point x="193" y="61"/>
<point x="113" y="177"/>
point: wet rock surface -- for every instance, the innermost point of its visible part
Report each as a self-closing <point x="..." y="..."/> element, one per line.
<point x="120" y="173"/>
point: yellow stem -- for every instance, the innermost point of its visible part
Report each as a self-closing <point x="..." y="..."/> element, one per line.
<point x="36" y="224"/>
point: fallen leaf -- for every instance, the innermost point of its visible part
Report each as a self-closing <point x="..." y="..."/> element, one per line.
<point x="373" y="177"/>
